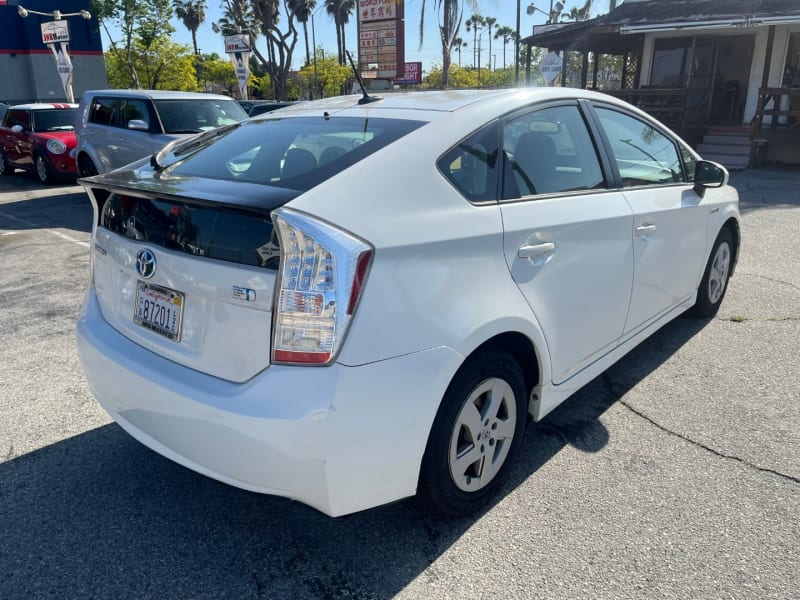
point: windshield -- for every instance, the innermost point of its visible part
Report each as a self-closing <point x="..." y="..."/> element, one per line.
<point x="61" y="119"/>
<point x="296" y="153"/>
<point x="196" y="115"/>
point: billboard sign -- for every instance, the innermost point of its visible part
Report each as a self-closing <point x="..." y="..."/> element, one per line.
<point x="412" y="74"/>
<point x="381" y="36"/>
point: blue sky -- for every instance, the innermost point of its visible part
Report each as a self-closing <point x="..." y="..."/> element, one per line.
<point x="430" y="53"/>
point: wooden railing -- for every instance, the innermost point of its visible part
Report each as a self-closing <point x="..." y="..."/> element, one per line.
<point x="770" y="101"/>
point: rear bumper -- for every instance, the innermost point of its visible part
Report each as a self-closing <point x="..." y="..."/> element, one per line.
<point x="340" y="439"/>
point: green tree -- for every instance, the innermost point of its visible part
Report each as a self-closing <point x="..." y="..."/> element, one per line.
<point x="450" y="12"/>
<point x="330" y="78"/>
<point x="458" y="44"/>
<point x="142" y="23"/>
<point x="475" y="24"/>
<point x="159" y="64"/>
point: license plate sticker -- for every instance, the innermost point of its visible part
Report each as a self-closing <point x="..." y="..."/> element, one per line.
<point x="159" y="309"/>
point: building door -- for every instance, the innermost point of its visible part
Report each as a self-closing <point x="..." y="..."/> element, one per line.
<point x="731" y="77"/>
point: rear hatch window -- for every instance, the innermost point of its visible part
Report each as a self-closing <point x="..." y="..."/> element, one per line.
<point x="296" y="153"/>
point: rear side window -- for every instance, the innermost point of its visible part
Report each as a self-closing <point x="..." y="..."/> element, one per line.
<point x="644" y="155"/>
<point x="472" y="165"/>
<point x="103" y="111"/>
<point x="294" y="153"/>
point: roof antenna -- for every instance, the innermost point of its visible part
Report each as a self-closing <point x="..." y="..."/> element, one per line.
<point x="366" y="98"/>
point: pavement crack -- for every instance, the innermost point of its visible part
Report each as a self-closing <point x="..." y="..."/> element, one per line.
<point x="610" y="384"/>
<point x="772" y="279"/>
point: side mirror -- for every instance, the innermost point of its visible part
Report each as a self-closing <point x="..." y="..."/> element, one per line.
<point x="17" y="129"/>
<point x="708" y="174"/>
<point x="138" y="125"/>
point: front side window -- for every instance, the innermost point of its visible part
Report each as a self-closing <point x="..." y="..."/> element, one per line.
<point x="549" y="151"/>
<point x="644" y="155"/>
<point x="133" y="110"/>
<point x="194" y="116"/>
<point x="19" y="117"/>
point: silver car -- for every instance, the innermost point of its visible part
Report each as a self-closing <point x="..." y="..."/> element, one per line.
<point x="117" y="127"/>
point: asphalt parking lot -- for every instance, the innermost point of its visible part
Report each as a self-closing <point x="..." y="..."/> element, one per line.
<point x="676" y="474"/>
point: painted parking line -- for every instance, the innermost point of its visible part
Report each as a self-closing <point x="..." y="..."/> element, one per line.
<point x="34" y="225"/>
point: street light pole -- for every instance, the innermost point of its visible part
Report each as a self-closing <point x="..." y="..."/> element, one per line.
<point x="54" y="33"/>
<point x="314" y="43"/>
<point x="516" y="47"/>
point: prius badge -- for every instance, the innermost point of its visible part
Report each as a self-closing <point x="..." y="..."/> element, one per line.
<point x="146" y="263"/>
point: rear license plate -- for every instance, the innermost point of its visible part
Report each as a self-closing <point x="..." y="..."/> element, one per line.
<point x="159" y="309"/>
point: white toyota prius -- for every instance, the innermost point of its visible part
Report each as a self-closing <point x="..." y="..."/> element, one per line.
<point x="360" y="299"/>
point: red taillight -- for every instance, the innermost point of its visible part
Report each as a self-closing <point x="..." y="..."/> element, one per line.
<point x="358" y="279"/>
<point x="322" y="271"/>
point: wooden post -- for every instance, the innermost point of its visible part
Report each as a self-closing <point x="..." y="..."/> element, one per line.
<point x="758" y="120"/>
<point x="595" y="67"/>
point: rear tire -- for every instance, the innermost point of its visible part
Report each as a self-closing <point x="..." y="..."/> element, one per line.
<point x="5" y="166"/>
<point x="715" y="279"/>
<point x="475" y="436"/>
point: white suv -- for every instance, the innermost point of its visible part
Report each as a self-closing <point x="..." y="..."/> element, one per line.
<point x="357" y="299"/>
<point x="116" y="127"/>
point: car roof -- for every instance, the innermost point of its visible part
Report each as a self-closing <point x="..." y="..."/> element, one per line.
<point x="447" y="101"/>
<point x="42" y="106"/>
<point x="158" y="94"/>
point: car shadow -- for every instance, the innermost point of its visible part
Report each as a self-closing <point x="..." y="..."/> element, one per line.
<point x="99" y="515"/>
<point x="64" y="206"/>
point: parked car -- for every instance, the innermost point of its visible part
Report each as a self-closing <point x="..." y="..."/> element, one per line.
<point x="355" y="302"/>
<point x="39" y="137"/>
<point x="117" y="127"/>
<point x="259" y="108"/>
<point x="3" y="109"/>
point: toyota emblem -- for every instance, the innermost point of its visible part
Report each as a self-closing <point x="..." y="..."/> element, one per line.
<point x="146" y="263"/>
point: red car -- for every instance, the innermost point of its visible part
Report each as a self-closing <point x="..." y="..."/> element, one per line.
<point x="41" y="138"/>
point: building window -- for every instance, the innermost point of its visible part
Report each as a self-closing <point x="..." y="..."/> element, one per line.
<point x="669" y="62"/>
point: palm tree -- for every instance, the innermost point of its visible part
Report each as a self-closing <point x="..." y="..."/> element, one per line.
<point x="506" y="34"/>
<point x="340" y="10"/>
<point x="451" y="12"/>
<point x="192" y="13"/>
<point x="475" y="23"/>
<point x="302" y="10"/>
<point x="489" y="22"/>
<point x="459" y="43"/>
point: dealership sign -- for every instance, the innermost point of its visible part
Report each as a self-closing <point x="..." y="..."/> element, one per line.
<point x="55" y="35"/>
<point x="238" y="49"/>
<point x="54" y="32"/>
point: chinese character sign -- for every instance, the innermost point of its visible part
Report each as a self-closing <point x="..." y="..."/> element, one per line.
<point x="381" y="34"/>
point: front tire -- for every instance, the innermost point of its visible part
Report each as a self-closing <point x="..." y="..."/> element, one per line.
<point x="86" y="166"/>
<point x="475" y="436"/>
<point x="43" y="171"/>
<point x="5" y="166"/>
<point x="715" y="279"/>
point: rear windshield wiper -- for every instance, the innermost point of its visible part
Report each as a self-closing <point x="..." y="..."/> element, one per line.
<point x="184" y="147"/>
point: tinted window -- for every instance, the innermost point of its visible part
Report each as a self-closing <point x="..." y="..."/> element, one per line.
<point x="18" y="117"/>
<point x="220" y="233"/>
<point x="472" y="165"/>
<point x="547" y="151"/>
<point x="643" y="154"/>
<point x="103" y="111"/>
<point x="62" y="119"/>
<point x="194" y="116"/>
<point x="131" y="110"/>
<point x="296" y="153"/>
